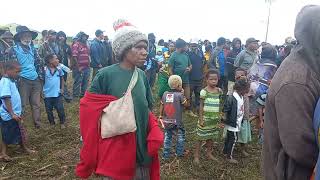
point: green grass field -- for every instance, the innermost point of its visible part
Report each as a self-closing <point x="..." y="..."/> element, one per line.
<point x="58" y="153"/>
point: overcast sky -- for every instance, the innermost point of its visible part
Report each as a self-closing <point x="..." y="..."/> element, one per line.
<point x="168" y="19"/>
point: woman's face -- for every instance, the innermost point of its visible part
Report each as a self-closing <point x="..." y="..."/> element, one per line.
<point x="138" y="54"/>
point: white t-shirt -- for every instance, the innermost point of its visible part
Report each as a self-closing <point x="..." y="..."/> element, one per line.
<point x="240" y="113"/>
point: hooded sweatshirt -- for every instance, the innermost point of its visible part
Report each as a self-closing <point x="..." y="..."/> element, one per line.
<point x="231" y="58"/>
<point x="290" y="150"/>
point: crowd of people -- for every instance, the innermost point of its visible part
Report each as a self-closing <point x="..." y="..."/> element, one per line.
<point x="226" y="85"/>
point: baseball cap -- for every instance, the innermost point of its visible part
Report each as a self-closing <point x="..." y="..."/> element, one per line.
<point x="251" y="40"/>
<point x="98" y="32"/>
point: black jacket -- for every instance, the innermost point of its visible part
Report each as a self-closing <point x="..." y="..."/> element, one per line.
<point x="230" y="109"/>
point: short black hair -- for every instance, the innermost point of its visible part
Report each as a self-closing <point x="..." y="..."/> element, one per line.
<point x="10" y="65"/>
<point x="212" y="71"/>
<point x="241" y="85"/>
<point x="48" y="58"/>
<point x="240" y="69"/>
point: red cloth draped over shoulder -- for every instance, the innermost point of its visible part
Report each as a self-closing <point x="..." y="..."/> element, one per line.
<point x="113" y="157"/>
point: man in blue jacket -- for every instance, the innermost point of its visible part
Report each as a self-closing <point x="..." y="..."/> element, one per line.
<point x="98" y="53"/>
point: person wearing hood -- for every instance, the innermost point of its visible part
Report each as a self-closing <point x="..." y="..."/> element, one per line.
<point x="31" y="71"/>
<point x="290" y="147"/>
<point x="262" y="72"/>
<point x="80" y="66"/>
<point x="6" y="53"/>
<point x="50" y="46"/>
<point x="236" y="49"/>
<point x="64" y="57"/>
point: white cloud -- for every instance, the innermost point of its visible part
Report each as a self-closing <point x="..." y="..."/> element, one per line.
<point x="168" y="19"/>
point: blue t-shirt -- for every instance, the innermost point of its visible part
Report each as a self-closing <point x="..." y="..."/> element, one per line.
<point x="8" y="89"/>
<point x="51" y="87"/>
<point x="26" y="59"/>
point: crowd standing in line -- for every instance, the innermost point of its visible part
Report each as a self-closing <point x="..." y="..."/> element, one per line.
<point x="225" y="85"/>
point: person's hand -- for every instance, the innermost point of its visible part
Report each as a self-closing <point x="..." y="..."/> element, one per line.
<point x="188" y="69"/>
<point x="182" y="90"/>
<point x="100" y="66"/>
<point x="16" y="117"/>
<point x="61" y="91"/>
<point x="161" y="121"/>
<point x="221" y="125"/>
<point x="261" y="124"/>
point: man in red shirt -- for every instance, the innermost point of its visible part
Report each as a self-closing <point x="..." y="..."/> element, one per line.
<point x="80" y="66"/>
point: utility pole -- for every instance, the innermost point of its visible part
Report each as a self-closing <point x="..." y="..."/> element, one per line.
<point x="268" y="22"/>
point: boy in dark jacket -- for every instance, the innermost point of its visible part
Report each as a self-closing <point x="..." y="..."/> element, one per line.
<point x="234" y="111"/>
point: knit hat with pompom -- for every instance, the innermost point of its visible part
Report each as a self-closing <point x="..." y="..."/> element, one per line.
<point x="126" y="36"/>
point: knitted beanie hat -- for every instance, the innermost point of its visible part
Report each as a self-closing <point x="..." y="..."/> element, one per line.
<point x="126" y="36"/>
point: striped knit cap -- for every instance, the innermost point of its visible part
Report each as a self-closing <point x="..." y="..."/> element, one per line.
<point x="126" y="36"/>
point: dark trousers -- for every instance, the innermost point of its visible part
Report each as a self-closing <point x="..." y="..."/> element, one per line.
<point x="230" y="143"/>
<point x="66" y="93"/>
<point x="80" y="81"/>
<point x="151" y="76"/>
<point x="223" y="84"/>
<point x="195" y="89"/>
<point x="56" y="103"/>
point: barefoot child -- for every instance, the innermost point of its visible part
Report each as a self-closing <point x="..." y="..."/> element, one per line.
<point x="53" y="89"/>
<point x="244" y="136"/>
<point x="234" y="112"/>
<point x="171" y="109"/>
<point x="12" y="128"/>
<point x="208" y="124"/>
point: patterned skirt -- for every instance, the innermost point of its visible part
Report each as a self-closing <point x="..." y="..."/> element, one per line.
<point x="210" y="130"/>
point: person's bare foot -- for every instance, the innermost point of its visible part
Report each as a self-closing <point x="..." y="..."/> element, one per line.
<point x="196" y="160"/>
<point x="5" y="158"/>
<point x="211" y="157"/>
<point x="28" y="151"/>
<point x="245" y="154"/>
<point x="232" y="161"/>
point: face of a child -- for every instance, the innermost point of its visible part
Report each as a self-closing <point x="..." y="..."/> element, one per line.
<point x="54" y="62"/>
<point x="239" y="74"/>
<point x="159" y="53"/>
<point x="212" y="80"/>
<point x="138" y="54"/>
<point x="14" y="73"/>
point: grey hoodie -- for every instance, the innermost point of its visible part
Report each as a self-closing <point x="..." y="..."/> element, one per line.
<point x="290" y="150"/>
